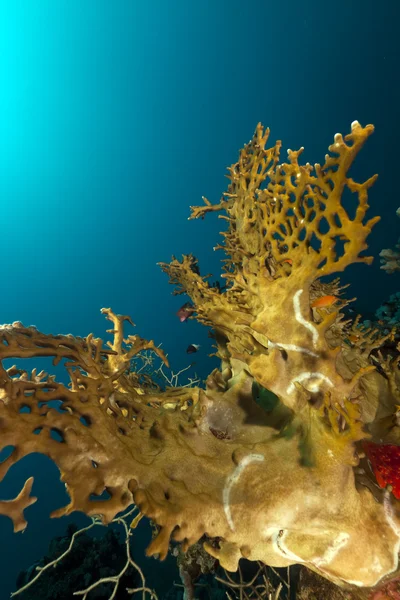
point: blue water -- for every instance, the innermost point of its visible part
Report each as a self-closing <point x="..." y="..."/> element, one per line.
<point x="116" y="116"/>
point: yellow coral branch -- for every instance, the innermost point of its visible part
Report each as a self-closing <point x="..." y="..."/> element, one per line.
<point x="262" y="459"/>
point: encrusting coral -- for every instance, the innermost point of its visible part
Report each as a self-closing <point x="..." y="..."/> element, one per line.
<point x="266" y="458"/>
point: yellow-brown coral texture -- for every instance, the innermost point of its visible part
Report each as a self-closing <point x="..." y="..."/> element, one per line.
<point x="275" y="483"/>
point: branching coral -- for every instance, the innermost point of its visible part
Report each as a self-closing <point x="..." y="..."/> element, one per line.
<point x="79" y="558"/>
<point x="274" y="479"/>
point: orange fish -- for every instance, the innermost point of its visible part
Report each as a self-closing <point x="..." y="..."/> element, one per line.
<point x="324" y="302"/>
<point x="354" y="338"/>
<point x="385" y="463"/>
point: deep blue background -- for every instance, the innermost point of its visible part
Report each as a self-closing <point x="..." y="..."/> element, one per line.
<point x="116" y="116"/>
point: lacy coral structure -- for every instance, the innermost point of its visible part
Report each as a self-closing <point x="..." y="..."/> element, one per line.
<point x="266" y="459"/>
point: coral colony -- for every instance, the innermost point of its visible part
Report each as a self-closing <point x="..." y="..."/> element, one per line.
<point x="283" y="482"/>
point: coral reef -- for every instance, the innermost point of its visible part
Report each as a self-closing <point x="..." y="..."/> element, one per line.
<point x="102" y="566"/>
<point x="267" y="459"/>
<point x="91" y="558"/>
<point x="388" y="314"/>
<point x="390" y="259"/>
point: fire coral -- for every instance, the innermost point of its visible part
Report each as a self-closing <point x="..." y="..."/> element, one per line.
<point x="266" y="459"/>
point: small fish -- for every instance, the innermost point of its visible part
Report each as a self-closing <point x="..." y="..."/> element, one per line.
<point x="353" y="338"/>
<point x="324" y="301"/>
<point x="192" y="348"/>
<point x="385" y="463"/>
<point x="185" y="311"/>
